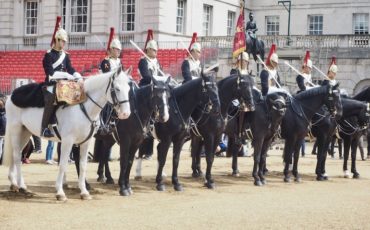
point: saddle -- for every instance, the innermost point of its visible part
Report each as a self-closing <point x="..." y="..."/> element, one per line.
<point x="70" y="92"/>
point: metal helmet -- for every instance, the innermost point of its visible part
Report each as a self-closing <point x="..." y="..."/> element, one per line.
<point x="152" y="44"/>
<point x="115" y="43"/>
<point x="61" y="34"/>
<point x="196" y="46"/>
<point x="275" y="58"/>
<point x="244" y="56"/>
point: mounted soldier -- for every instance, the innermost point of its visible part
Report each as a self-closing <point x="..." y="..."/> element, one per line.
<point x="191" y="67"/>
<point x="304" y="80"/>
<point x="269" y="75"/>
<point x="57" y="65"/>
<point x="241" y="67"/>
<point x="149" y="65"/>
<point x="112" y="60"/>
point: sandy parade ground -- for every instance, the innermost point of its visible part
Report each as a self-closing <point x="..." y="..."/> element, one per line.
<point x="235" y="203"/>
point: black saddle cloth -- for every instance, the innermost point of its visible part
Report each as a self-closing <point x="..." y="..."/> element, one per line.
<point x="29" y="95"/>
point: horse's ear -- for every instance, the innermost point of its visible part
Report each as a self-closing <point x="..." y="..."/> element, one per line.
<point x="168" y="80"/>
<point x="129" y="71"/>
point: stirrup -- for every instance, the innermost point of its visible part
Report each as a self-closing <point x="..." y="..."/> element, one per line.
<point x="47" y="133"/>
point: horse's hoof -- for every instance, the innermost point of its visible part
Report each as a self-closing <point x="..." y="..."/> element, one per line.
<point x="130" y="191"/>
<point x="346" y="174"/>
<point x="210" y="185"/>
<point x="26" y="192"/>
<point x="263" y="181"/>
<point x="356" y="175"/>
<point x="320" y="178"/>
<point x="85" y="196"/>
<point x="195" y="175"/>
<point x="61" y="197"/>
<point x="101" y="179"/>
<point x="257" y="183"/>
<point x="178" y="187"/>
<point x="297" y="179"/>
<point x="124" y="192"/>
<point x="287" y="179"/>
<point x="161" y="187"/>
<point x="109" y="181"/>
<point x="14" y="188"/>
<point x="235" y="174"/>
<point x="138" y="178"/>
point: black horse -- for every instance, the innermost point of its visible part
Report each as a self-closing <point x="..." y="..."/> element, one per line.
<point x="263" y="123"/>
<point x="297" y="119"/>
<point x="145" y="102"/>
<point x="208" y="127"/>
<point x="325" y="127"/>
<point x="351" y="130"/>
<point x="184" y="99"/>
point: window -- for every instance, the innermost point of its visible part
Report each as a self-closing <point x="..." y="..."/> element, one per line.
<point x="207" y="20"/>
<point x="361" y="23"/>
<point x="79" y="9"/>
<point x="180" y="18"/>
<point x="128" y="15"/>
<point x="31" y="17"/>
<point x="272" y="25"/>
<point x="315" y="24"/>
<point x="230" y="23"/>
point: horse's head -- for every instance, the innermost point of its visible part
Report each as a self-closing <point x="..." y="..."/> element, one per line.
<point x="333" y="101"/>
<point x="160" y="95"/>
<point x="210" y="93"/>
<point x="244" y="86"/>
<point x="119" y="93"/>
<point x="364" y="115"/>
<point x="276" y="104"/>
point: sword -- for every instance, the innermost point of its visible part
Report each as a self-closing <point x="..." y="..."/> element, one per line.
<point x="322" y="73"/>
<point x="259" y="58"/>
<point x="295" y="70"/>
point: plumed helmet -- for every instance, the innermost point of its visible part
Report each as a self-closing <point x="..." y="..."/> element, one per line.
<point x="333" y="65"/>
<point x="196" y="46"/>
<point x="244" y="56"/>
<point x="307" y="61"/>
<point x="115" y="44"/>
<point x="152" y="44"/>
<point x="61" y="34"/>
<point x="272" y="55"/>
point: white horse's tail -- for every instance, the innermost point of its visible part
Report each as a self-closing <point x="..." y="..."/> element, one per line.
<point x="8" y="158"/>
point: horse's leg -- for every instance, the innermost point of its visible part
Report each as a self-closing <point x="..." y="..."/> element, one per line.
<point x="321" y="153"/>
<point x="131" y="159"/>
<point x="265" y="147"/>
<point x="76" y="157"/>
<point x="124" y="158"/>
<point x="15" y="172"/>
<point x="85" y="195"/>
<point x="287" y="158"/>
<point x="98" y="154"/>
<point x="66" y="147"/>
<point x="297" y="146"/>
<point x="141" y="152"/>
<point x="210" y="143"/>
<point x="162" y="150"/>
<point x="177" y="146"/>
<point x="108" y="149"/>
<point x="257" y="146"/>
<point x="346" y="148"/>
<point x="235" y="148"/>
<point x="195" y="156"/>
<point x="354" y="145"/>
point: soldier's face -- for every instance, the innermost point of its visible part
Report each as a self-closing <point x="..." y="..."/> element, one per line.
<point x="307" y="70"/>
<point x="251" y="17"/>
<point x="152" y="53"/>
<point x="60" y="44"/>
<point x="331" y="75"/>
<point x="115" y="52"/>
<point x="196" y="54"/>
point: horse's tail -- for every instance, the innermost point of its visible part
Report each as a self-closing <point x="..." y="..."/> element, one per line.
<point x="8" y="158"/>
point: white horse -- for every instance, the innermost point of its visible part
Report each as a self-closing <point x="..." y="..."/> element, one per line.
<point x="74" y="125"/>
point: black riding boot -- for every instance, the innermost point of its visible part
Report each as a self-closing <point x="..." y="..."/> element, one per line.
<point x="49" y="99"/>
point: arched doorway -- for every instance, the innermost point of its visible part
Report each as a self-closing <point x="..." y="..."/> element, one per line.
<point x="361" y="85"/>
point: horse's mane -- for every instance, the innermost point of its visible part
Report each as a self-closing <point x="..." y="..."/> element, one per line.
<point x="311" y="92"/>
<point x="364" y="95"/>
<point x="96" y="81"/>
<point x="184" y="88"/>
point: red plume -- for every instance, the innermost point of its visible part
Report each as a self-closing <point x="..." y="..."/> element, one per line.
<point x="193" y="40"/>
<point x="272" y="50"/>
<point x="307" y="57"/>
<point x="333" y="61"/>
<point x="148" y="37"/>
<point x="110" y="37"/>
<point x="57" y="25"/>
